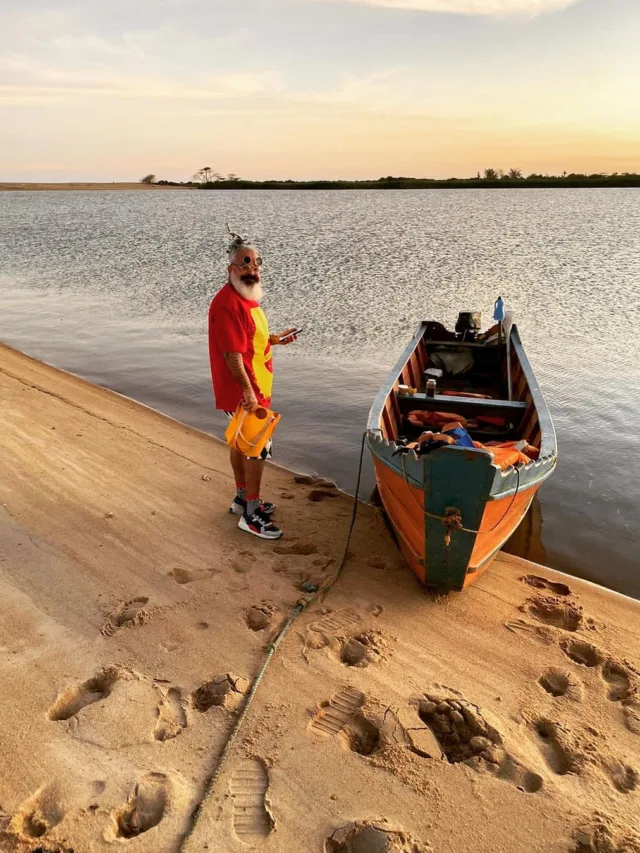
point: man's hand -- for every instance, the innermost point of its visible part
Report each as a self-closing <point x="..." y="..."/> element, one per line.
<point x="236" y="368"/>
<point x="249" y="400"/>
<point x="283" y="338"/>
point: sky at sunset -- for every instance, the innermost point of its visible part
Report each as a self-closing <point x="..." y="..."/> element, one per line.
<point x="317" y="88"/>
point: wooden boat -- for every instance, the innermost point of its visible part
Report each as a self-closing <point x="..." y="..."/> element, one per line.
<point x="453" y="508"/>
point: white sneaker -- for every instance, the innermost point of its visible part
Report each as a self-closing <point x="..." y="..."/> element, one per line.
<point x="259" y="525"/>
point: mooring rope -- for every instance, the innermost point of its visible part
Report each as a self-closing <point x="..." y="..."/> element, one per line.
<point x="301" y="605"/>
<point x="224" y="755"/>
<point x="452" y="518"/>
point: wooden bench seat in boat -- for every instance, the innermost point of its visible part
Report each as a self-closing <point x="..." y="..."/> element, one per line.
<point x="461" y="405"/>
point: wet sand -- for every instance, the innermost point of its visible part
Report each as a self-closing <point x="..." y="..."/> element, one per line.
<point x="135" y="616"/>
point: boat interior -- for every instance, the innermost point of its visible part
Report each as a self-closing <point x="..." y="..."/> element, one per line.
<point x="469" y="383"/>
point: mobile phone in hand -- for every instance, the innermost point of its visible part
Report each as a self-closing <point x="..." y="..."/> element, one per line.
<point x="291" y="334"/>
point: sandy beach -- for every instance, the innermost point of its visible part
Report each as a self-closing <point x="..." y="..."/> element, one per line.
<point x="119" y="185"/>
<point x="135" y="617"/>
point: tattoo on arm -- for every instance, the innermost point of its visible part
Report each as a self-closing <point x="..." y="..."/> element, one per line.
<point x="237" y="370"/>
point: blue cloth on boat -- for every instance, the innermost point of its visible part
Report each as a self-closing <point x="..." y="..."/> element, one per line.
<point x="498" y="310"/>
<point x="461" y="436"/>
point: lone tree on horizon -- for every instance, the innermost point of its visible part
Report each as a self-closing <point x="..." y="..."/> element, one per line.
<point x="206" y="175"/>
<point x="148" y="179"/>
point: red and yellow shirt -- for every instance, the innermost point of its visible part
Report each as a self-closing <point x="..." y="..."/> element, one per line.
<point x="239" y="325"/>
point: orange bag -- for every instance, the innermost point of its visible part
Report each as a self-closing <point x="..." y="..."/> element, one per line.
<point x="249" y="432"/>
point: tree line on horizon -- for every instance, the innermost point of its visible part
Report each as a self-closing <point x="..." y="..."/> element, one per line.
<point x="206" y="178"/>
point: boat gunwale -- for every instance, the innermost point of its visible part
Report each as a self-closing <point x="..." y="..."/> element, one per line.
<point x="547" y="430"/>
<point x="375" y="412"/>
<point x="545" y="465"/>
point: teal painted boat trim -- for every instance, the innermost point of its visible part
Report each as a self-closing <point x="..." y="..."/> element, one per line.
<point x="459" y="478"/>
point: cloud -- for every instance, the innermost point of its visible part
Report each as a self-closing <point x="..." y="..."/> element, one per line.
<point x="35" y="82"/>
<point x="498" y="8"/>
<point x="89" y="43"/>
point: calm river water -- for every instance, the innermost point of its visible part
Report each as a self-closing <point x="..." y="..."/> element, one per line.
<point x="115" y="287"/>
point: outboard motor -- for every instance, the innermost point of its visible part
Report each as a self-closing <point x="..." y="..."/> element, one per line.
<point x="468" y="325"/>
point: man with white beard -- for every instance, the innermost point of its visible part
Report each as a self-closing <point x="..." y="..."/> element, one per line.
<point x="242" y="372"/>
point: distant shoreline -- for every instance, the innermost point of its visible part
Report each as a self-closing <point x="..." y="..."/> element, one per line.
<point x="42" y="187"/>
<point x="611" y="181"/>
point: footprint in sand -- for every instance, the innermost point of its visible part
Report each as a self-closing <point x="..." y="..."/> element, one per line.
<point x="360" y="649"/>
<point x="225" y="690"/>
<point x="623" y="778"/>
<point x="582" y="653"/>
<point x="247" y="555"/>
<point x="632" y="718"/>
<point x="331" y="629"/>
<point x="542" y="634"/>
<point x="259" y="616"/>
<point x="39" y="814"/>
<point x="355" y="652"/>
<point x="74" y="699"/>
<point x="554" y="612"/>
<point x="333" y="716"/>
<point x="618" y="680"/>
<point x="539" y="582"/>
<point x="139" y="710"/>
<point x="559" y="683"/>
<point x="144" y="809"/>
<point x="465" y="736"/>
<point x="186" y="576"/>
<point x="615" y="675"/>
<point x="257" y="619"/>
<point x="555" y="752"/>
<point x="317" y="495"/>
<point x="564" y="755"/>
<point x="127" y="613"/>
<point x="602" y="834"/>
<point x="172" y="717"/>
<point x="336" y="622"/>
<point x="252" y="820"/>
<point x="301" y="570"/>
<point x="555" y="682"/>
<point x="371" y="837"/>
<point x="361" y="735"/>
<point x="98" y="787"/>
<point x="182" y="576"/>
<point x="242" y="562"/>
<point x="300" y="549"/>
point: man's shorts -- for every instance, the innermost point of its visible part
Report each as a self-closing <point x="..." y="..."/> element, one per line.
<point x="266" y="450"/>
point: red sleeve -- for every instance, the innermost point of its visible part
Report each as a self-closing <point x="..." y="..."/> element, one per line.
<point x="228" y="331"/>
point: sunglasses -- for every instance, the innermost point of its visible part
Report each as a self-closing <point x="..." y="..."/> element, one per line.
<point x="247" y="261"/>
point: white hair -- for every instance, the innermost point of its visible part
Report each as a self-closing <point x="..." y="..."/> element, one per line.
<point x="235" y="250"/>
<point x="237" y="244"/>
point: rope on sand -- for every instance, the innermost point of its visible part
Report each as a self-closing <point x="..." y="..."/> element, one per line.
<point x="302" y="604"/>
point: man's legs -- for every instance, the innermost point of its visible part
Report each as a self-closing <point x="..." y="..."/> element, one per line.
<point x="257" y="523"/>
<point x="238" y="462"/>
<point x="254" y="469"/>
